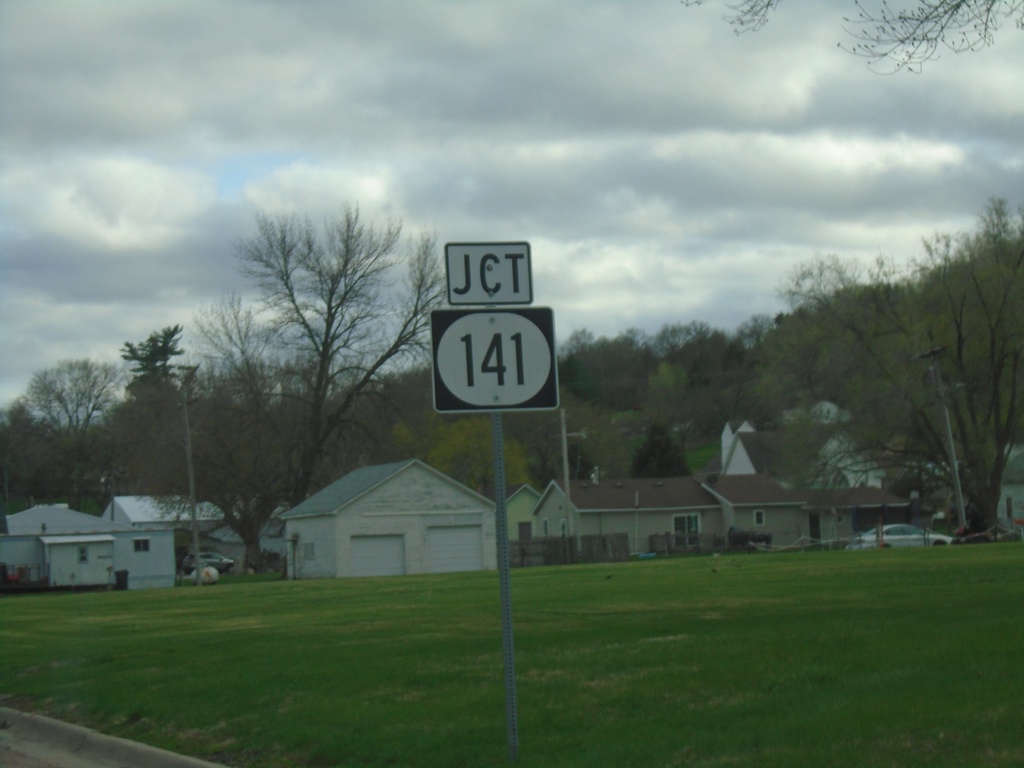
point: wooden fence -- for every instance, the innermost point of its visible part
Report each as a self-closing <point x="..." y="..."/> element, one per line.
<point x="607" y="548"/>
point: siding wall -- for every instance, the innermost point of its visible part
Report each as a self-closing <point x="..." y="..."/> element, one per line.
<point x="639" y="527"/>
<point x="317" y="549"/>
<point x="67" y="571"/>
<point x="785" y="524"/>
<point x="146" y="569"/>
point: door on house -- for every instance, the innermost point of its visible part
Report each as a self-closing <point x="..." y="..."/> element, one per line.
<point x="378" y="555"/>
<point x="459" y="548"/>
<point x="815" y="520"/>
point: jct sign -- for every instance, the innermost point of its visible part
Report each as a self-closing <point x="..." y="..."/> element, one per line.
<point x="488" y="273"/>
<point x="494" y="360"/>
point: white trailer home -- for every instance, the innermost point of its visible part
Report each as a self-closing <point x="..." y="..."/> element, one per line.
<point x="57" y="547"/>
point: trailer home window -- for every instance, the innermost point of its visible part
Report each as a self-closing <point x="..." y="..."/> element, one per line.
<point x="142" y="545"/>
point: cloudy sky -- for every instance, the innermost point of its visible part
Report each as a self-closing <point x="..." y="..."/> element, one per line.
<point x="663" y="168"/>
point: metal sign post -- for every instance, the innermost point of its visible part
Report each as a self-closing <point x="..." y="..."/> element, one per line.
<point x="494" y="360"/>
<point x="504" y="587"/>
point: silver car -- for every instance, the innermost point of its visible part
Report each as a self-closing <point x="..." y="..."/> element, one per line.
<point x="898" y="535"/>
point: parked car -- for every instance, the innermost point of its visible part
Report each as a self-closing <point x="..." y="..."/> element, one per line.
<point x="898" y="535"/>
<point x="214" y="559"/>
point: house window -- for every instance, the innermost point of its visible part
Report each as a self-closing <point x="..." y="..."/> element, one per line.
<point x="83" y="554"/>
<point x="564" y="528"/>
<point x="687" y="530"/>
<point x="308" y="551"/>
<point x="545" y="526"/>
<point x="142" y="545"/>
<point x="758" y="517"/>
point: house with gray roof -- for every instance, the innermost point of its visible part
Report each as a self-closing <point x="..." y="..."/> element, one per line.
<point x="391" y="519"/>
<point x="677" y="507"/>
<point x="699" y="512"/>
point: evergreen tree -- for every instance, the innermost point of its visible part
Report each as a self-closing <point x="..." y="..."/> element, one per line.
<point x="153" y="356"/>
<point x="658" y="456"/>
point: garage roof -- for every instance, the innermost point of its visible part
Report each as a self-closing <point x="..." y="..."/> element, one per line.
<point x="341" y="492"/>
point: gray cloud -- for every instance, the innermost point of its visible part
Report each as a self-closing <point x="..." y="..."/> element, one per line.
<point x="664" y="169"/>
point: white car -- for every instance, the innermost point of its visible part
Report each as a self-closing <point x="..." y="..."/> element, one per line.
<point x="898" y="535"/>
<point x="215" y="559"/>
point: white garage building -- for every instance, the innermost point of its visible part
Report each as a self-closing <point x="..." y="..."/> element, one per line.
<point x="389" y="520"/>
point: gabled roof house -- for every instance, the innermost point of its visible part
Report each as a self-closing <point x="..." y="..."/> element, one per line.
<point x="391" y="519"/>
<point x="699" y="512"/>
<point x="639" y="507"/>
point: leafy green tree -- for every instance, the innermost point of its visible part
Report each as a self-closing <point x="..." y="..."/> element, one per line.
<point x="714" y="374"/>
<point x="859" y="340"/>
<point x="609" y="372"/>
<point x="666" y="395"/>
<point x="461" y="447"/>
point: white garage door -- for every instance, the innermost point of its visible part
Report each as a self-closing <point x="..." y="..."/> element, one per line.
<point x="378" y="555"/>
<point x="455" y="549"/>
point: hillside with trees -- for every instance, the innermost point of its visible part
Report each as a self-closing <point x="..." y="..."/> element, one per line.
<point x="327" y="371"/>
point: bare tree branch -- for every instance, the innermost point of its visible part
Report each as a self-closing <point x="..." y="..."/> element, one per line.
<point x="904" y="36"/>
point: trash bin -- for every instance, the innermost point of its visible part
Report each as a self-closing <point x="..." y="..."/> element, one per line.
<point x="120" y="579"/>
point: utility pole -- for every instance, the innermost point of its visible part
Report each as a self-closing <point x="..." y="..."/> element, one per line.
<point x="3" y="510"/>
<point x="936" y="377"/>
<point x="565" y="473"/>
<point x="186" y="384"/>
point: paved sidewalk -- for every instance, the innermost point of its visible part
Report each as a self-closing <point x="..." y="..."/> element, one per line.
<point x="34" y="741"/>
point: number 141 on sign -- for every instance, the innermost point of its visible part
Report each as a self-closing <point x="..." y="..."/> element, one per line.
<point x="494" y="359"/>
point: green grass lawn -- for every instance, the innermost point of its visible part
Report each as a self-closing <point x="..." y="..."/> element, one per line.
<point x="877" y="658"/>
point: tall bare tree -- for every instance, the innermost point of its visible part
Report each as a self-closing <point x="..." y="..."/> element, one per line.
<point x="333" y="315"/>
